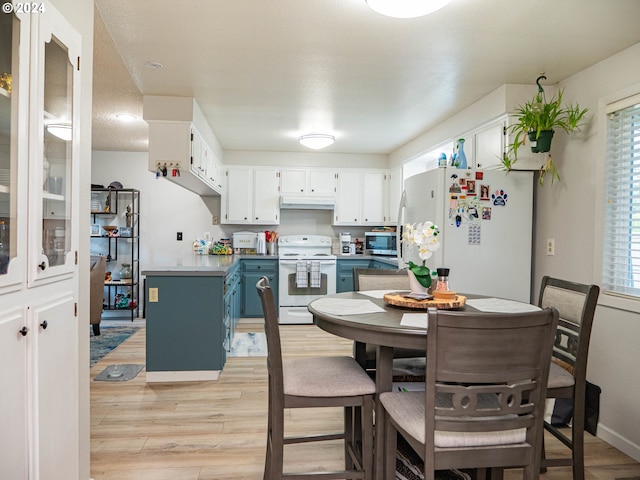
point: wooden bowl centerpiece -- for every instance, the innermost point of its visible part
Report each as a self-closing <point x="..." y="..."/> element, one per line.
<point x="445" y="295"/>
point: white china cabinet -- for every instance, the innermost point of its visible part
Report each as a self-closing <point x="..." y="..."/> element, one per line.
<point x="39" y="140"/>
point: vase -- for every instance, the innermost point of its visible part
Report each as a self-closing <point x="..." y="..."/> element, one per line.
<point x="461" y="157"/>
<point x="125" y="271"/>
<point x="415" y="285"/>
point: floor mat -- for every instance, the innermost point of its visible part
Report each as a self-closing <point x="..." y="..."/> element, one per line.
<point x="251" y="344"/>
<point x="119" y="373"/>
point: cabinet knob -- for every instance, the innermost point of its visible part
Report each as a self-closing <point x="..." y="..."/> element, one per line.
<point x="44" y="325"/>
<point x="23" y="331"/>
<point x="42" y="267"/>
<point x="302" y="189"/>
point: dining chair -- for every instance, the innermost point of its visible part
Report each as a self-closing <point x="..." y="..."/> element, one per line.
<point x="407" y="361"/>
<point x="576" y="303"/>
<point x="315" y="382"/>
<point x="484" y="397"/>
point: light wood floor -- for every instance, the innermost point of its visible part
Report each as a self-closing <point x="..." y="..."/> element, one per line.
<point x="216" y="430"/>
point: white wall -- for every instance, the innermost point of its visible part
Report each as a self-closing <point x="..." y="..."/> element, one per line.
<point x="570" y="211"/>
<point x="166" y="208"/>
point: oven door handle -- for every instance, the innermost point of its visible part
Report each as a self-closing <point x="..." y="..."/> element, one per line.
<point x="294" y="262"/>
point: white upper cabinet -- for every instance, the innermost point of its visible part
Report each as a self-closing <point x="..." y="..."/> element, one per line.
<point x="308" y="182"/>
<point x="178" y="149"/>
<point x="251" y="196"/>
<point x="362" y="198"/>
<point x="489" y="145"/>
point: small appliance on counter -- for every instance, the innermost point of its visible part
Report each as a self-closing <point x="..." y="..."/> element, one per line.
<point x="261" y="245"/>
<point x="345" y="244"/>
<point x="245" y="243"/>
<point x="381" y="243"/>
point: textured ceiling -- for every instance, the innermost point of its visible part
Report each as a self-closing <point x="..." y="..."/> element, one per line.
<point x="265" y="72"/>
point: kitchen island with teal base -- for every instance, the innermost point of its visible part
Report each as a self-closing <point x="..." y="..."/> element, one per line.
<point x="191" y="311"/>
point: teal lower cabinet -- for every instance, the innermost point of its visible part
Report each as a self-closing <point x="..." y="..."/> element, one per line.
<point x="232" y="299"/>
<point x="187" y="335"/>
<point x="252" y="271"/>
<point x="344" y="272"/>
<point x="384" y="265"/>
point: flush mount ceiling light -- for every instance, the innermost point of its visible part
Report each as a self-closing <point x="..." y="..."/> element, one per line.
<point x="406" y="8"/>
<point x="61" y="130"/>
<point x="316" y="140"/>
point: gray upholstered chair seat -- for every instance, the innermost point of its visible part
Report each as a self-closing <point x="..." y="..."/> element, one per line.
<point x="407" y="410"/>
<point x="559" y="377"/>
<point x="326" y="377"/>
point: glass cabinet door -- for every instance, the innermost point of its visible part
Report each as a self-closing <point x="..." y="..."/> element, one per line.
<point x="14" y="91"/>
<point x="54" y="162"/>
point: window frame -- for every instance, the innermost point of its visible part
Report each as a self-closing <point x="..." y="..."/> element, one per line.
<point x="608" y="297"/>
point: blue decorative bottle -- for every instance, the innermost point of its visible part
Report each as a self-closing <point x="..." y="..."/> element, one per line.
<point x="461" y="158"/>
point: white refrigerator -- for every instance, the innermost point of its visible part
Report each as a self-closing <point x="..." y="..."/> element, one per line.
<point x="486" y="225"/>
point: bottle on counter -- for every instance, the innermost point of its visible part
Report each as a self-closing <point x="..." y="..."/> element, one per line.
<point x="442" y="284"/>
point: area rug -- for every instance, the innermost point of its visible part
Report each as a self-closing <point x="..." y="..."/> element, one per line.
<point x="109" y="339"/>
<point x="251" y="344"/>
<point x="119" y="373"/>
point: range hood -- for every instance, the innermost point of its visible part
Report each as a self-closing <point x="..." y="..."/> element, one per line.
<point x="307" y="203"/>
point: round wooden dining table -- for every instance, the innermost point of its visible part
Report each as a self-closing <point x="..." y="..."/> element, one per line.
<point x="382" y="328"/>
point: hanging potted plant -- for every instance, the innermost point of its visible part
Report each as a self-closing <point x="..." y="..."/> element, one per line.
<point x="537" y="120"/>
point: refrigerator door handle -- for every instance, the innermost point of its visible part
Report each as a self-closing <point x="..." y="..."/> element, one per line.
<point x="399" y="236"/>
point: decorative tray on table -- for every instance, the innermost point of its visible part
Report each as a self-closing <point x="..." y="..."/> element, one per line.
<point x="400" y="299"/>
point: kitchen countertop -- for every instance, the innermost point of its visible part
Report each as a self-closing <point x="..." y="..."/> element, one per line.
<point x="218" y="265"/>
<point x="202" y="265"/>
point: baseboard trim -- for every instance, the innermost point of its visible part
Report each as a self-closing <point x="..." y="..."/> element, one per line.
<point x="623" y="444"/>
<point x="183" y="376"/>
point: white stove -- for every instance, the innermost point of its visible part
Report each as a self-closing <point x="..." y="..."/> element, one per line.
<point x="306" y="270"/>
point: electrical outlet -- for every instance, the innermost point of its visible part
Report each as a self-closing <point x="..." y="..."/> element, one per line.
<point x="179" y="236"/>
<point x="153" y="295"/>
<point x="551" y="246"/>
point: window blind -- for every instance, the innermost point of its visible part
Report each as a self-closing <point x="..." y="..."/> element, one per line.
<point x="621" y="262"/>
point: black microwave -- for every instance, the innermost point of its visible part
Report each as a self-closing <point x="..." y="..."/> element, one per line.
<point x="380" y="243"/>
